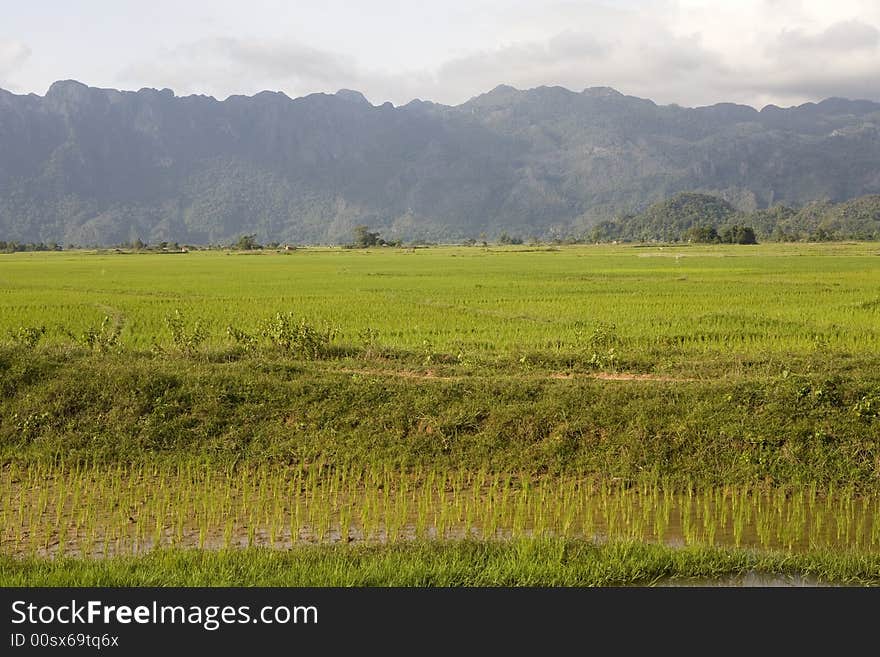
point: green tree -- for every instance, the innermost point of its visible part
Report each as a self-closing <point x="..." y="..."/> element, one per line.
<point x="363" y="238"/>
<point x="737" y="234"/>
<point x="604" y="231"/>
<point x="247" y="243"/>
<point x="705" y="234"/>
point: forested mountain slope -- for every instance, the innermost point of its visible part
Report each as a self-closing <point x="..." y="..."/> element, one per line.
<point x="98" y="166"/>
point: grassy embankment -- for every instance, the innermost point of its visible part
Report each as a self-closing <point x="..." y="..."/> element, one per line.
<point x="523" y="562"/>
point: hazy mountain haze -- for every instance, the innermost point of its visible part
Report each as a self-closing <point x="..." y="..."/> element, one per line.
<point x="89" y="165"/>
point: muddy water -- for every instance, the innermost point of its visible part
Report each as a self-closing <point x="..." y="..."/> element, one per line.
<point x="749" y="579"/>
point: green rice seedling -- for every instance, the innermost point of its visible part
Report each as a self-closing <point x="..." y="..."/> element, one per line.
<point x="316" y="513"/>
<point x="875" y="524"/>
<point x="228" y="533"/>
<point x="345" y="520"/>
<point x="687" y="518"/>
<point x="424" y="498"/>
<point x="661" y="524"/>
<point x="444" y="506"/>
<point x="764" y="526"/>
<point x="817" y="527"/>
<point x="709" y="521"/>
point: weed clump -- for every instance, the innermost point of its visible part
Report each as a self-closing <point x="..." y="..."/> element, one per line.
<point x="298" y="336"/>
<point x="186" y="339"/>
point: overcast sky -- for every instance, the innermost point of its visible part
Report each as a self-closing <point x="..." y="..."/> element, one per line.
<point x="690" y="52"/>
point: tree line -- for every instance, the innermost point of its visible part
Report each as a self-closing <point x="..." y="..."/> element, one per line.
<point x="705" y="218"/>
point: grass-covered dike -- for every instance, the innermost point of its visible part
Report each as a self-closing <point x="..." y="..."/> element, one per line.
<point x="817" y="425"/>
<point x="543" y="562"/>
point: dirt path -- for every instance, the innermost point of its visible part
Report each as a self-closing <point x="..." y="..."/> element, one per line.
<point x="431" y="375"/>
<point x="405" y="374"/>
<point x="622" y="376"/>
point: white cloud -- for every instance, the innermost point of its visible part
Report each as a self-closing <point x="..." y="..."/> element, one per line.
<point x="12" y="55"/>
<point x="691" y="52"/>
<point x="843" y="37"/>
<point x="222" y="66"/>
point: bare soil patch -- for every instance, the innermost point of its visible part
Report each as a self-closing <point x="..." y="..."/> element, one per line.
<point x="430" y="374"/>
<point x="623" y="376"/>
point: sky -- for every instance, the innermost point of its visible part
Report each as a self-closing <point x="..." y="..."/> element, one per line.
<point x="689" y="52"/>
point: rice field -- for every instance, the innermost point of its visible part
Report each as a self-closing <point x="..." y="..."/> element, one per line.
<point x="686" y="397"/>
<point x="479" y="303"/>
<point x="94" y="513"/>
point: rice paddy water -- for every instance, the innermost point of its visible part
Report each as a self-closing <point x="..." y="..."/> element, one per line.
<point x="90" y="512"/>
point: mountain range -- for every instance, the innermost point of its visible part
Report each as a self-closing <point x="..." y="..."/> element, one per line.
<point x="99" y="166"/>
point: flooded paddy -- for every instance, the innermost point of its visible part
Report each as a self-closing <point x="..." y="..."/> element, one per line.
<point x="747" y="580"/>
<point x="94" y="512"/>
